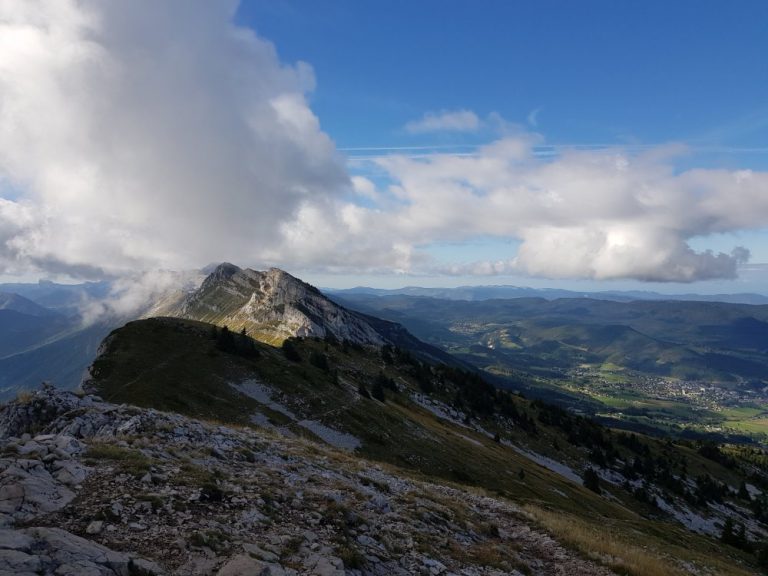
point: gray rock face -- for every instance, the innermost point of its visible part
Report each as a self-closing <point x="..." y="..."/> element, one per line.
<point x="243" y="564"/>
<point x="28" y="489"/>
<point x="19" y="418"/>
<point x="182" y="497"/>
<point x="273" y="304"/>
<point x="56" y="551"/>
<point x="39" y="476"/>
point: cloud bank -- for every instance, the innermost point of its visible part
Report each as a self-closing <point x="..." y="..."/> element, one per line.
<point x="599" y="214"/>
<point x="142" y="135"/>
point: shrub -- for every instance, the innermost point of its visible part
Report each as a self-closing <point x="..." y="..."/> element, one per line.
<point x="290" y="351"/>
<point x="24" y="397"/>
<point x="131" y="461"/>
<point x="319" y="360"/>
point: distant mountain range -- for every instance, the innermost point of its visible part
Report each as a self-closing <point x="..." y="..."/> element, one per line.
<point x="16" y="303"/>
<point x="42" y="337"/>
<point x="472" y="293"/>
<point x="63" y="298"/>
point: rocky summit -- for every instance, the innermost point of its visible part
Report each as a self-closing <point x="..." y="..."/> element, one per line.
<point x="271" y="306"/>
<point x="92" y="488"/>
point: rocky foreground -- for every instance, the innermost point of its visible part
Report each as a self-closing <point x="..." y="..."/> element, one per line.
<point x="91" y="488"/>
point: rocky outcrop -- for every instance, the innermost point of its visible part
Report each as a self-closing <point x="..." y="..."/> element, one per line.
<point x="270" y="305"/>
<point x="117" y="490"/>
<point x="32" y="412"/>
<point x="34" y="551"/>
<point x="41" y="476"/>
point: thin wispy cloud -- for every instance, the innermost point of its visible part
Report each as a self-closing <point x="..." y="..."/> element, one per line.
<point x="445" y="121"/>
<point x="754" y="123"/>
<point x="380" y="152"/>
<point x="406" y="148"/>
<point x="471" y="150"/>
<point x="533" y="117"/>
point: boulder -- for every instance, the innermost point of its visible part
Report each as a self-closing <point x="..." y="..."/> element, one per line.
<point x="244" y="565"/>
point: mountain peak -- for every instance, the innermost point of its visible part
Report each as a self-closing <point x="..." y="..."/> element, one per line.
<point x="17" y="303"/>
<point x="271" y="306"/>
<point x="224" y="270"/>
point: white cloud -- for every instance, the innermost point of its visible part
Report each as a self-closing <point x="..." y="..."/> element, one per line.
<point x="143" y="134"/>
<point x="533" y="117"/>
<point x="364" y="187"/>
<point x="135" y="294"/>
<point x="600" y="214"/>
<point x="445" y="121"/>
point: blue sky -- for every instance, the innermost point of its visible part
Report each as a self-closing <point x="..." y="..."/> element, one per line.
<point x="596" y="71"/>
<point x="593" y="73"/>
<point x="437" y="142"/>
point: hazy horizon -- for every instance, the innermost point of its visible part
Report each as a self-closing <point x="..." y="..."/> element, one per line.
<point x="752" y="280"/>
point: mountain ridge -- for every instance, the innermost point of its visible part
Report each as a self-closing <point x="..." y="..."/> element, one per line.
<point x="271" y="306"/>
<point x="501" y="291"/>
<point x="18" y="303"/>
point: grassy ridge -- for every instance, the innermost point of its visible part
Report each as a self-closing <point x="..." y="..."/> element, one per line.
<point x="179" y="365"/>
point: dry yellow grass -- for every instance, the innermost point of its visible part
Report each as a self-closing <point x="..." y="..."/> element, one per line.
<point x="24" y="396"/>
<point x="603" y="545"/>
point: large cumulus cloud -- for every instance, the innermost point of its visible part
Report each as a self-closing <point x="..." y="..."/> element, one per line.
<point x="142" y="134"/>
<point x="601" y="214"/>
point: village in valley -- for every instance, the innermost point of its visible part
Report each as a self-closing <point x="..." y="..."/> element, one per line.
<point x="665" y="402"/>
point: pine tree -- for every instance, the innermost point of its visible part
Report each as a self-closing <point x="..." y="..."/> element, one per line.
<point x="743" y="492"/>
<point x="319" y="360"/>
<point x="377" y="391"/>
<point x="225" y="341"/>
<point x="592" y="481"/>
<point x="727" y="536"/>
<point x="740" y="537"/>
<point x="290" y="351"/>
<point x="762" y="557"/>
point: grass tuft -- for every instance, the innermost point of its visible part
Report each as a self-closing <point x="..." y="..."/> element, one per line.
<point x="130" y="461"/>
<point x="603" y="545"/>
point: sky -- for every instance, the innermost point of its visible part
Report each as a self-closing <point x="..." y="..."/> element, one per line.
<point x="589" y="145"/>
